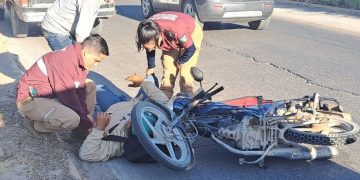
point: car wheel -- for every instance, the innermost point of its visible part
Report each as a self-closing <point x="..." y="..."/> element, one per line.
<point x="97" y="26"/>
<point x="18" y="26"/>
<point x="260" y="24"/>
<point x="190" y="9"/>
<point x="2" y="14"/>
<point x="146" y="8"/>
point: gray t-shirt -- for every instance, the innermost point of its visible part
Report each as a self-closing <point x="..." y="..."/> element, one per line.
<point x="74" y="17"/>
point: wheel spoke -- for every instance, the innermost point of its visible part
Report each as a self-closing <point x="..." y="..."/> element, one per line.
<point x="171" y="150"/>
<point x="154" y="130"/>
<point x="158" y="141"/>
<point x="146" y="7"/>
<point x="149" y="123"/>
<point x="160" y="121"/>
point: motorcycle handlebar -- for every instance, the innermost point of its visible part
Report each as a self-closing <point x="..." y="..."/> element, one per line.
<point x="212" y="88"/>
<point x="216" y="91"/>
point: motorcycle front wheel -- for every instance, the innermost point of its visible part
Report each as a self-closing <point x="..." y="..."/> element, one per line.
<point x="167" y="146"/>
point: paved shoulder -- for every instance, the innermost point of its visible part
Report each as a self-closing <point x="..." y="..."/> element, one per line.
<point x="338" y="19"/>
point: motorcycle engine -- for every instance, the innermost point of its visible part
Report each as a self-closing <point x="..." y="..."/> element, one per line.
<point x="246" y="134"/>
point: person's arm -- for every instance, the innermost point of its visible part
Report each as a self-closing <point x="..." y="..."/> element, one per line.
<point x="81" y="92"/>
<point x="64" y="87"/>
<point x="148" y="87"/>
<point x="186" y="42"/>
<point x="88" y="12"/>
<point x="94" y="149"/>
<point x="153" y="92"/>
<point x="150" y="56"/>
<point x="70" y="98"/>
<point x="189" y="52"/>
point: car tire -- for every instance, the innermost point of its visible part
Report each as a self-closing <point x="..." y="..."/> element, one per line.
<point x="259" y="24"/>
<point x="189" y="8"/>
<point x="97" y="26"/>
<point x="18" y="26"/>
<point x="147" y="8"/>
<point x="2" y="14"/>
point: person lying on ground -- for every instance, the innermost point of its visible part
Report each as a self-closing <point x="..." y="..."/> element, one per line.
<point x="117" y="121"/>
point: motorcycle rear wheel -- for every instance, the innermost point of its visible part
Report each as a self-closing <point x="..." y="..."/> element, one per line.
<point x="339" y="131"/>
<point x="168" y="147"/>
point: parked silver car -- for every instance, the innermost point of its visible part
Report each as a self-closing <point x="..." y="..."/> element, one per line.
<point x="256" y="12"/>
<point x="23" y="12"/>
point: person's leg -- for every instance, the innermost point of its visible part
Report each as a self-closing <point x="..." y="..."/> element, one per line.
<point x="57" y="41"/>
<point x="154" y="92"/>
<point x="49" y="115"/>
<point x="105" y="97"/>
<point x="90" y="95"/>
<point x="170" y="72"/>
<point x="186" y="80"/>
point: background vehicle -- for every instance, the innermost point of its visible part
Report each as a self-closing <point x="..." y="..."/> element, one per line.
<point x="23" y="12"/>
<point x="256" y="12"/>
<point x="306" y="128"/>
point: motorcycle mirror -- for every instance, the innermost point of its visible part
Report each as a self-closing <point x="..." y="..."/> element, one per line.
<point x="196" y="74"/>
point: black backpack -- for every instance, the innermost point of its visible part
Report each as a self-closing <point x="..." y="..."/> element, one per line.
<point x="133" y="150"/>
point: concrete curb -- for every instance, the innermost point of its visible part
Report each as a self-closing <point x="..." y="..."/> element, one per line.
<point x="351" y="12"/>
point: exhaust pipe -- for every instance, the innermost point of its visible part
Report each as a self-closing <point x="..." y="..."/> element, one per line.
<point x="291" y="153"/>
<point x="298" y="153"/>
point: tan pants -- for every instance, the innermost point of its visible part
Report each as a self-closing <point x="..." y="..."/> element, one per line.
<point x="49" y="115"/>
<point x="170" y="71"/>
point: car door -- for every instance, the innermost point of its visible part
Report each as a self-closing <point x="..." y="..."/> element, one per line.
<point x="160" y="5"/>
<point x="175" y="5"/>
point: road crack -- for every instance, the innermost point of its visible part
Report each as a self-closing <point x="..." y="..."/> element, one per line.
<point x="292" y="73"/>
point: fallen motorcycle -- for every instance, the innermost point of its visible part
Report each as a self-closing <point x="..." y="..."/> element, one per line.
<point x="306" y="128"/>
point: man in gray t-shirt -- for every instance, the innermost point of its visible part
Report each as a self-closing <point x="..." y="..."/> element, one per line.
<point x="68" y="21"/>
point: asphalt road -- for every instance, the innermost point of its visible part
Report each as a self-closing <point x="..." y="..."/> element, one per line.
<point x="287" y="60"/>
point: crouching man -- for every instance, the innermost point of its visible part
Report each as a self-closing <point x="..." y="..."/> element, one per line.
<point x="54" y="93"/>
<point x="116" y="122"/>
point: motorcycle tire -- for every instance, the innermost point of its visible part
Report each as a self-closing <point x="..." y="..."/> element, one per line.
<point x="169" y="148"/>
<point x="341" y="132"/>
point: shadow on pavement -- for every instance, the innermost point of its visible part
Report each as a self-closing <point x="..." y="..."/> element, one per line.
<point x="100" y="79"/>
<point x="11" y="71"/>
<point x="213" y="162"/>
<point x="211" y="26"/>
<point x="134" y="12"/>
<point x="130" y="11"/>
<point x="5" y="28"/>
